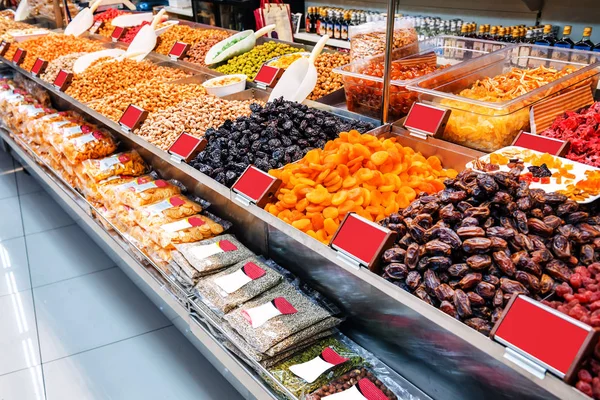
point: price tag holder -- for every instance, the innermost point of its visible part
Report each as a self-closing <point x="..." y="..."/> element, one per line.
<point x="39" y="67"/>
<point x="132" y="118"/>
<point x="255" y="187"/>
<point x="539" y="338"/>
<point x="178" y="51"/>
<point x="267" y="76"/>
<point x="117" y="33"/>
<point x="97" y="25"/>
<point x="186" y="147"/>
<point x="3" y="47"/>
<point x="63" y="80"/>
<point x="425" y="120"/>
<point x="19" y="56"/>
<point x="548" y="145"/>
<point x="360" y="242"/>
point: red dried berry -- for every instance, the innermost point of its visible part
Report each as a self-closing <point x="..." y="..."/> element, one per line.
<point x="576" y="280"/>
<point x="584" y="387"/>
<point x="584" y="375"/>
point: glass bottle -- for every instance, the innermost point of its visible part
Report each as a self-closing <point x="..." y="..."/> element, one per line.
<point x="548" y="39"/>
<point x="307" y="21"/>
<point x="322" y="23"/>
<point x="337" y="26"/>
<point x="565" y="41"/>
<point x="330" y="23"/>
<point x="585" y="43"/>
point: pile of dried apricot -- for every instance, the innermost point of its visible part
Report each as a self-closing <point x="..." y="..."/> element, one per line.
<point x="373" y="177"/>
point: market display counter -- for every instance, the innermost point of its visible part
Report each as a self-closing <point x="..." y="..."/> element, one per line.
<point x="443" y="357"/>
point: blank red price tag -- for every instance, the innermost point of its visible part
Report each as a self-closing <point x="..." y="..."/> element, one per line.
<point x="179" y="50"/>
<point x="362" y="240"/>
<point x="187" y="147"/>
<point x="540" y="143"/>
<point x="256" y="186"/>
<point x="19" y="56"/>
<point x="39" y="66"/>
<point x="133" y="117"/>
<point x="548" y="337"/>
<point x="424" y="120"/>
<point x="63" y="80"/>
<point x="117" y="33"/>
<point x="3" y="48"/>
<point x="268" y="76"/>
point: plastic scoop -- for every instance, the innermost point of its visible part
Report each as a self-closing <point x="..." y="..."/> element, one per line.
<point x="83" y="62"/>
<point x="82" y="21"/>
<point x="128" y="20"/>
<point x="22" y="11"/>
<point x="300" y="78"/>
<point x="145" y="40"/>
<point x="235" y="45"/>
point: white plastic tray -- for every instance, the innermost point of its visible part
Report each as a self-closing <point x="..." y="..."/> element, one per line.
<point x="578" y="170"/>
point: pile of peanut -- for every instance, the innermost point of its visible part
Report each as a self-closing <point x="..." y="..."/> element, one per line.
<point x="328" y="81"/>
<point x="197" y="53"/>
<point x="104" y="78"/>
<point x="50" y="47"/>
<point x="186" y="34"/>
<point x="62" y="62"/>
<point x="194" y="117"/>
<point x="152" y="96"/>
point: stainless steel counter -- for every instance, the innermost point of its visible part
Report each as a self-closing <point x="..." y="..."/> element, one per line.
<point x="440" y="355"/>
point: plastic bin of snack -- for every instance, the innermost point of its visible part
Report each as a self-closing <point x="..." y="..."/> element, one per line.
<point x="363" y="79"/>
<point x="491" y="97"/>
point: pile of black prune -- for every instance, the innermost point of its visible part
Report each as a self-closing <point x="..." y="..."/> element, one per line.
<point x="279" y="133"/>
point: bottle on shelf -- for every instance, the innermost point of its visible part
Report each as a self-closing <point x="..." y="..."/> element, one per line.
<point x="548" y="39"/>
<point x="330" y="23"/>
<point x="597" y="47"/>
<point x="565" y="41"/>
<point x="322" y="23"/>
<point x="345" y="26"/>
<point x="585" y="43"/>
<point x="516" y="36"/>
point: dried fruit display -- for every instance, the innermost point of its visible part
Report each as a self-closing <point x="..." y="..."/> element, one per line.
<point x="469" y="248"/>
<point x="107" y="16"/>
<point x="193" y="116"/>
<point x="102" y="78"/>
<point x="187" y="35"/>
<point x="363" y="95"/>
<point x="50" y="47"/>
<point x="197" y="53"/>
<point x="489" y="129"/>
<point x="371" y="176"/>
<point x="249" y="63"/>
<point x="65" y="62"/>
<point x="327" y="80"/>
<point x="582" y="129"/>
<point x="276" y="134"/>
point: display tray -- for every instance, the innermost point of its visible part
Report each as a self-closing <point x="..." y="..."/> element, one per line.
<point x="519" y="153"/>
<point x="384" y="319"/>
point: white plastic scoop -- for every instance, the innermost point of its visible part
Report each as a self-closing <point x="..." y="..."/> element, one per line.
<point x="83" y="62"/>
<point x="128" y="20"/>
<point x="82" y="21"/>
<point x="235" y="45"/>
<point x="145" y="40"/>
<point x="22" y="11"/>
<point x="300" y="78"/>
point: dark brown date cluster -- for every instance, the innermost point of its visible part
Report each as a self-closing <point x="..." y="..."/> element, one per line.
<point x="469" y="248"/>
<point x="348" y="380"/>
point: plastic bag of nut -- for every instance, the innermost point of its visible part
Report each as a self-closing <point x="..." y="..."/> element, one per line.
<point x="96" y="144"/>
<point x="144" y="193"/>
<point x="368" y="40"/>
<point x="126" y="163"/>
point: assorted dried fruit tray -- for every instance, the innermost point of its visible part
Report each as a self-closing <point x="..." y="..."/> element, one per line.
<point x="577" y="181"/>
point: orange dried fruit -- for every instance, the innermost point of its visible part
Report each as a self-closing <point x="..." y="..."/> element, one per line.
<point x="330" y="212"/>
<point x="330" y="226"/>
<point x="379" y="157"/>
<point x="339" y="198"/>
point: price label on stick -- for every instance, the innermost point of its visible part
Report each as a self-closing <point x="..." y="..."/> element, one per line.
<point x="179" y="50"/>
<point x="255" y="186"/>
<point x="97" y="25"/>
<point x="268" y="76"/>
<point x="133" y="118"/>
<point x="63" y="80"/>
<point x="19" y="56"/>
<point x="425" y="120"/>
<point x="548" y="145"/>
<point x="3" y="47"/>
<point x="39" y="67"/>
<point x="186" y="147"/>
<point x="362" y="242"/>
<point x="540" y="338"/>
<point x="117" y="33"/>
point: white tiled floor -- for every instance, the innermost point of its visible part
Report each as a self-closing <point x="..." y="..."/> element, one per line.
<point x="72" y="324"/>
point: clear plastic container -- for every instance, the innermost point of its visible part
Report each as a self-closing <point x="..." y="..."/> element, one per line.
<point x="487" y="124"/>
<point x="364" y="90"/>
